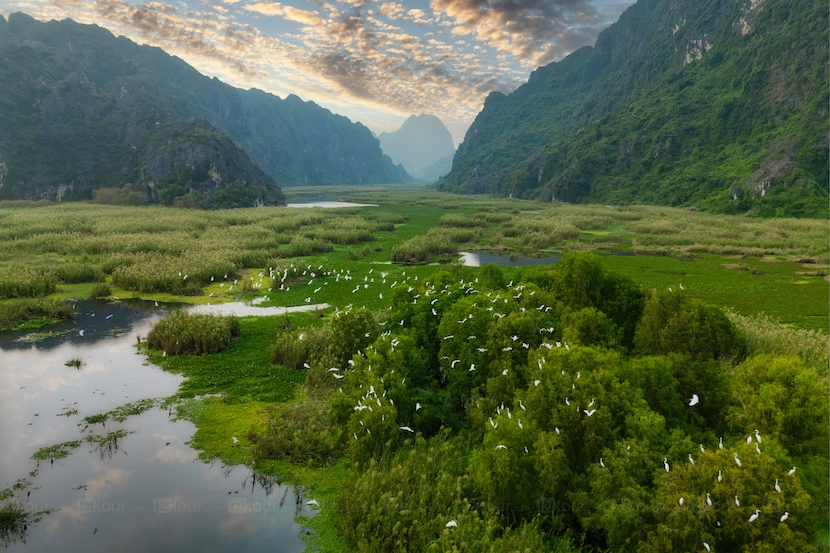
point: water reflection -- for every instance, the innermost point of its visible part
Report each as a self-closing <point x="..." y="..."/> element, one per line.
<point x="479" y="259"/>
<point x="327" y="204"/>
<point x="137" y="485"/>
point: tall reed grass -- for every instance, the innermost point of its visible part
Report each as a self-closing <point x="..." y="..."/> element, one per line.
<point x="184" y="333"/>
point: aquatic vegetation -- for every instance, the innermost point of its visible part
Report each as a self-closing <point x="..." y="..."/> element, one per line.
<point x="191" y="334"/>
<point x="32" y="312"/>
<point x="58" y="451"/>
<point x="76" y="362"/>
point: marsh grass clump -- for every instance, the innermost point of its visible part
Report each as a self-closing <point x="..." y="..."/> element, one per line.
<point x="100" y="291"/>
<point x="12" y="518"/>
<point x="766" y="336"/>
<point x="21" y="282"/>
<point x="457" y="220"/>
<point x="185" y="333"/>
<point x="76" y="362"/>
<point x="74" y="273"/>
<point x="23" y="312"/>
<point x="437" y="241"/>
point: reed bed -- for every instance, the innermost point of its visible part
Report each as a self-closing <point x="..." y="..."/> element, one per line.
<point x="18" y="312"/>
<point x="184" y="333"/>
<point x="22" y="282"/>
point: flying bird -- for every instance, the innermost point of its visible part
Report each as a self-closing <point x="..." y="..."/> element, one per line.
<point x="694" y="401"/>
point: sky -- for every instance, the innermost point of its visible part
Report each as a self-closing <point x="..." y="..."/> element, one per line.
<point x="374" y="61"/>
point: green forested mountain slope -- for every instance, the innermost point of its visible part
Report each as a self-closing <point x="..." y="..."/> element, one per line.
<point x="719" y="104"/>
<point x="81" y="109"/>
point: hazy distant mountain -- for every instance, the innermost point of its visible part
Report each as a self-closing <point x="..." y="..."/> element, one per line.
<point x="81" y="109"/>
<point x="720" y="104"/>
<point x="422" y="145"/>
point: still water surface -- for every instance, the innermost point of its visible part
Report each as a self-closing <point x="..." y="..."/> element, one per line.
<point x="146" y="492"/>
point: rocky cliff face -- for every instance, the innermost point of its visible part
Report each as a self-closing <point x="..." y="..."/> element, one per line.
<point x="680" y="102"/>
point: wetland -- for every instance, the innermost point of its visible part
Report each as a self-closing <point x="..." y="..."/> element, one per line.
<point x="333" y="305"/>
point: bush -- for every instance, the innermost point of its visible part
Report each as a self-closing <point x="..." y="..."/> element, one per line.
<point x="672" y="323"/>
<point x="299" y="432"/>
<point x="190" y="334"/>
<point x="100" y="291"/>
<point x="292" y="349"/>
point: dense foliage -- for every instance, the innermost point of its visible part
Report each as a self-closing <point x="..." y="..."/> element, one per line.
<point x="565" y="407"/>
<point x="721" y="104"/>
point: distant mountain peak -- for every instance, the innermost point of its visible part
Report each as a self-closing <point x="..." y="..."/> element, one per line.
<point x="423" y="145"/>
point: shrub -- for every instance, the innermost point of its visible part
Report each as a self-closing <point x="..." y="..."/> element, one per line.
<point x="184" y="333"/>
<point x="299" y="432"/>
<point x="349" y="333"/>
<point x="293" y="348"/>
<point x="100" y="291"/>
<point x="672" y="323"/>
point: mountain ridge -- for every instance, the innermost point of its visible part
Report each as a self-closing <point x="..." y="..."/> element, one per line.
<point x="129" y="90"/>
<point x="719" y="105"/>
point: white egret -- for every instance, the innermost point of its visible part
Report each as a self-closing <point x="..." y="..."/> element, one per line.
<point x="680" y="501"/>
<point x="537" y="382"/>
<point x="720" y="443"/>
<point x="691" y="459"/>
<point x="754" y="515"/>
<point x="406" y="428"/>
<point x="452" y="524"/>
<point x="234" y="439"/>
<point x="737" y="461"/>
<point x="666" y="464"/>
<point x="701" y="448"/>
<point x="757" y="449"/>
<point x="757" y="436"/>
<point x="791" y="472"/>
<point x="708" y="499"/>
<point x="522" y="406"/>
<point x="81" y="333"/>
<point x="417" y="406"/>
<point x="694" y="401"/>
<point x="785" y="516"/>
<point x="501" y="446"/>
<point x="749" y="439"/>
<point x="737" y="502"/>
<point x="706" y="546"/>
<point x="601" y="463"/>
<point x="589" y="413"/>
<point x="720" y="476"/>
<point x="777" y="487"/>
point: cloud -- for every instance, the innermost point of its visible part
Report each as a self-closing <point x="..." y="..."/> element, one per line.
<point x="368" y="60"/>
<point x="289" y="13"/>
<point x="529" y="30"/>
<point x="392" y="10"/>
